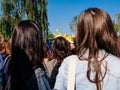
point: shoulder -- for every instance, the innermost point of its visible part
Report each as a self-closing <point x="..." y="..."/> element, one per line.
<point x="113" y="63"/>
<point x="71" y="57"/>
<point x="113" y="60"/>
<point x="66" y="61"/>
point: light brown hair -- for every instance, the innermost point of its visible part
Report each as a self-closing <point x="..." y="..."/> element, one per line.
<point x="7" y="45"/>
<point x="95" y="32"/>
<point x="26" y="53"/>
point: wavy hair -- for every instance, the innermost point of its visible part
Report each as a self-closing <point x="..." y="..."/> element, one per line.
<point x="60" y="49"/>
<point x="95" y="32"/>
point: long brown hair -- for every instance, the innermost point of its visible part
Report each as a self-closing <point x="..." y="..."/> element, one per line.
<point x="27" y="36"/>
<point x="95" y="32"/>
<point x="26" y="54"/>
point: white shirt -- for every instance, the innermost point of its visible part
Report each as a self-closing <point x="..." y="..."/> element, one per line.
<point x="110" y="82"/>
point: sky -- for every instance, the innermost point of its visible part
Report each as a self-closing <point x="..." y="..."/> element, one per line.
<point x="60" y="12"/>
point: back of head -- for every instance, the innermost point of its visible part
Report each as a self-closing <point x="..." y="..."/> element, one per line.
<point x="95" y="31"/>
<point x="26" y="38"/>
<point x="60" y="48"/>
<point x="26" y="54"/>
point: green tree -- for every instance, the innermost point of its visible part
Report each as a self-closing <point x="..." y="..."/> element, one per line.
<point x="118" y="17"/>
<point x="50" y="36"/>
<point x="117" y="24"/>
<point x="8" y="18"/>
<point x="72" y="23"/>
<point x="14" y="11"/>
<point x="37" y="10"/>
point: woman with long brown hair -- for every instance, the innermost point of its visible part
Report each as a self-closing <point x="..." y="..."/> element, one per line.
<point x="26" y="71"/>
<point x="98" y="54"/>
<point x="60" y="50"/>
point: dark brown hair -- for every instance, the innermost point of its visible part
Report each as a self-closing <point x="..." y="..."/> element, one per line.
<point x="26" y="54"/>
<point x="27" y="36"/>
<point x="95" y="32"/>
<point x="60" y="49"/>
<point x="45" y="49"/>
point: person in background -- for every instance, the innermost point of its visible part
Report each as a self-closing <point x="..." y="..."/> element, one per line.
<point x="5" y="52"/>
<point x="60" y="50"/>
<point x="2" y="50"/>
<point x="5" y="47"/>
<point x="6" y="57"/>
<point x="71" y="40"/>
<point x="47" y="57"/>
<point x="98" y="54"/>
<point x="73" y="48"/>
<point x="26" y="71"/>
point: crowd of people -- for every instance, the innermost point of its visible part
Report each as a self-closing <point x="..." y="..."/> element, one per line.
<point x="27" y="63"/>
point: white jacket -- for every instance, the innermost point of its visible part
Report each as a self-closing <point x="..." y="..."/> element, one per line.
<point x="110" y="82"/>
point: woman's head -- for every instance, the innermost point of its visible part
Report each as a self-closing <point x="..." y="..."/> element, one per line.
<point x="27" y="37"/>
<point x="7" y="44"/>
<point x="46" y="51"/>
<point x="95" y="31"/>
<point x="60" y="49"/>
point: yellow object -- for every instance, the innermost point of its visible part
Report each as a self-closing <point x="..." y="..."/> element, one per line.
<point x="66" y="36"/>
<point x="70" y="38"/>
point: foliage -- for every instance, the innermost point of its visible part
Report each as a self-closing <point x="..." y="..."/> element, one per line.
<point x="8" y="18"/>
<point x="50" y="36"/>
<point x="72" y="23"/>
<point x="117" y="24"/>
<point x="14" y="11"/>
<point x="118" y="17"/>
